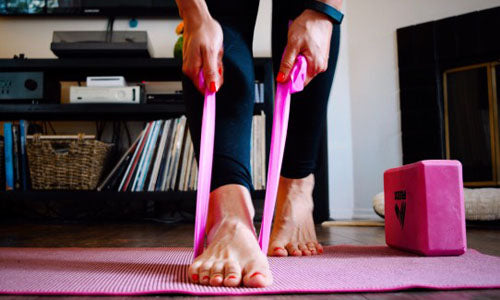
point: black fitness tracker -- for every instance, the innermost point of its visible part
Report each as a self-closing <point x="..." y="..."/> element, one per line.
<point x="335" y="15"/>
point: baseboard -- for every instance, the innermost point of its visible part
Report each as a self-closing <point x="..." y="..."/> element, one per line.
<point x="341" y="214"/>
<point x="365" y="214"/>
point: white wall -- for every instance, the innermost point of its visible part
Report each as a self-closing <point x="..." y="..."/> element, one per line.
<point x="374" y="86"/>
<point x="32" y="35"/>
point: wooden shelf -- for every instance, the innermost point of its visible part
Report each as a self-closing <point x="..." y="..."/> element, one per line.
<point x="131" y="112"/>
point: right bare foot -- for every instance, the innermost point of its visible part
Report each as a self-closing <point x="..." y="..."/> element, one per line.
<point x="233" y="254"/>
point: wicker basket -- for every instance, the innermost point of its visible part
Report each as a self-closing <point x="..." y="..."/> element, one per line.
<point x="66" y="163"/>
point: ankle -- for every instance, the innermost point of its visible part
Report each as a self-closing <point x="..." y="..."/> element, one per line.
<point x="230" y="204"/>
<point x="296" y="189"/>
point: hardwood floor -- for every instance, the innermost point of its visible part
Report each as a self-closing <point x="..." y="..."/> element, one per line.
<point x="485" y="238"/>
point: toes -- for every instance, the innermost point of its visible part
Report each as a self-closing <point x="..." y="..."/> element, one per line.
<point x="232" y="274"/>
<point x="312" y="248"/>
<point x="205" y="272"/>
<point x="319" y="248"/>
<point x="193" y="271"/>
<point x="304" y="250"/>
<point x="257" y="275"/>
<point x="217" y="274"/>
<point x="277" y="251"/>
<point x="292" y="250"/>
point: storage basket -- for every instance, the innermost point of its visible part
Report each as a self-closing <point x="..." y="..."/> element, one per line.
<point x="66" y="162"/>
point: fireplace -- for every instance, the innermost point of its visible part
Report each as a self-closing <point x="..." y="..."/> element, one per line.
<point x="471" y="121"/>
<point x="448" y="71"/>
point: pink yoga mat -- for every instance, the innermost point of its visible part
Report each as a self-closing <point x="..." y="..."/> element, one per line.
<point x="135" y="271"/>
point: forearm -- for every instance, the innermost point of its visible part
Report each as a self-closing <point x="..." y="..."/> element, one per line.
<point x="192" y="9"/>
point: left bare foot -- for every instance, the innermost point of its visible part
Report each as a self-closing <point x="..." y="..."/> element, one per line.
<point x="293" y="228"/>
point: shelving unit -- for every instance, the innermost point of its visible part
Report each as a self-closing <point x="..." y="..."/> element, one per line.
<point x="137" y="69"/>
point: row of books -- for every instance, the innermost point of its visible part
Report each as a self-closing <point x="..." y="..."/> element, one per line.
<point x="15" y="166"/>
<point x="161" y="159"/>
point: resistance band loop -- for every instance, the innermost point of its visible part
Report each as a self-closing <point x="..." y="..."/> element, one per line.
<point x="278" y="138"/>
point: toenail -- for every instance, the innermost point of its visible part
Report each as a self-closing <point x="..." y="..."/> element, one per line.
<point x="255" y="274"/>
<point x="195" y="277"/>
<point x="278" y="248"/>
<point x="232" y="277"/>
<point x="205" y="278"/>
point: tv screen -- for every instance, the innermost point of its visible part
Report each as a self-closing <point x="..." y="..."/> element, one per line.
<point x="125" y="8"/>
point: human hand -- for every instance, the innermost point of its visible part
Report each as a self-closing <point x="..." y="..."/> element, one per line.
<point x="203" y="50"/>
<point x="309" y="35"/>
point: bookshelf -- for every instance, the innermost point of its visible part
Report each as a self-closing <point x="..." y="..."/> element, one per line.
<point x="134" y="69"/>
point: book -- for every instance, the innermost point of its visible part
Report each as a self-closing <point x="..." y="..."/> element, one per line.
<point x="138" y="180"/>
<point x="262" y="151"/>
<point x="16" y="157"/>
<point x="9" y="166"/>
<point x="181" y="153"/>
<point x="158" y="157"/>
<point x="135" y="159"/>
<point x="120" y="167"/>
<point x="261" y="92"/>
<point x="170" y="157"/>
<point x="168" y="162"/>
<point x="176" y="154"/>
<point x="149" y="155"/>
<point x="163" y="162"/>
<point x="182" y="160"/>
<point x="185" y="155"/>
<point x="189" y="160"/>
<point x="23" y="126"/>
<point x="2" y="163"/>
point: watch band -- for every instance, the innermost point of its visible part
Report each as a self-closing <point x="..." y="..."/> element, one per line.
<point x="335" y="15"/>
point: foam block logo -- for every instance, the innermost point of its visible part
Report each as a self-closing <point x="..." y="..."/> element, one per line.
<point x="400" y="196"/>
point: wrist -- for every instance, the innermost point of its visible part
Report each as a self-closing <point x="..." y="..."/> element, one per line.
<point x="326" y="8"/>
<point x="337" y="4"/>
<point x="317" y="16"/>
<point x="193" y="11"/>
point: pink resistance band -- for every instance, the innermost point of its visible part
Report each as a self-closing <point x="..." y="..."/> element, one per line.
<point x="278" y="138"/>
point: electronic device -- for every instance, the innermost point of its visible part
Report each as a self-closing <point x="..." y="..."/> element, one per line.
<point x="161" y="92"/>
<point x="106" y="81"/>
<point x="85" y="94"/>
<point x="125" y="8"/>
<point x="95" y="44"/>
<point x="21" y="85"/>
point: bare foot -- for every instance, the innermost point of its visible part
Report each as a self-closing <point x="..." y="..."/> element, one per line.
<point x="293" y="228"/>
<point x="233" y="254"/>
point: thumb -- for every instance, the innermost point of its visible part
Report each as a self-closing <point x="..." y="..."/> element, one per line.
<point x="287" y="64"/>
<point x="210" y="66"/>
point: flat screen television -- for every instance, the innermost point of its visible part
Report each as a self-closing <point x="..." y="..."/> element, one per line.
<point x="116" y="8"/>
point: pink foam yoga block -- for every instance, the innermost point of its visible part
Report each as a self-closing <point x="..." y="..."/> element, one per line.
<point x="424" y="208"/>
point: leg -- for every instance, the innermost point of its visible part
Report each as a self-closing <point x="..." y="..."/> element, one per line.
<point x="232" y="255"/>
<point x="293" y="229"/>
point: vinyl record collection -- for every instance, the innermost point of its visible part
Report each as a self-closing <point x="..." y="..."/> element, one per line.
<point x="162" y="158"/>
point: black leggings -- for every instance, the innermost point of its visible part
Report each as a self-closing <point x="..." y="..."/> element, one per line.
<point x="235" y="99"/>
